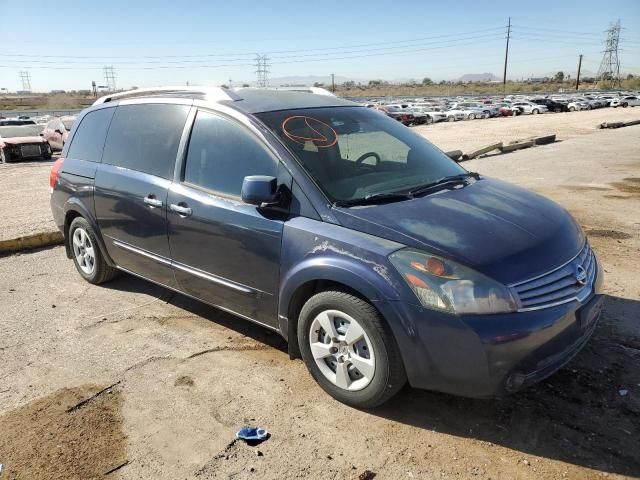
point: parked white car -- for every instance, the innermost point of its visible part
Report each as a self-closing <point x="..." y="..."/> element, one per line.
<point x="434" y="115"/>
<point x="628" y="101"/>
<point x="530" y="108"/>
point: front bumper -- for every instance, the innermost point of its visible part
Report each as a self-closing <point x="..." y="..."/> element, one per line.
<point x="490" y="355"/>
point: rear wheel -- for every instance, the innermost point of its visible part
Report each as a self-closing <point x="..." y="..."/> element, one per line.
<point x="472" y="116"/>
<point x="571" y="109"/>
<point x="451" y="118"/>
<point x="625" y="105"/>
<point x="348" y="349"/>
<point x="87" y="256"/>
<point x="535" y="111"/>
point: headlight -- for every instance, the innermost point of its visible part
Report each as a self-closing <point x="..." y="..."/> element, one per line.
<point x="445" y="285"/>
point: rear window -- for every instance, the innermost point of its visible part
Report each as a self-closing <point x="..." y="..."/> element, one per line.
<point x="145" y="137"/>
<point x="88" y="141"/>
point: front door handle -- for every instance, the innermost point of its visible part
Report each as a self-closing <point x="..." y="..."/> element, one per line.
<point x="181" y="209"/>
<point x="152" y="201"/>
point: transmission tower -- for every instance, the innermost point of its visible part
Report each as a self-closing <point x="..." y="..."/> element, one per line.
<point x="262" y="71"/>
<point x="609" y="71"/>
<point x="110" y="78"/>
<point x="25" y="77"/>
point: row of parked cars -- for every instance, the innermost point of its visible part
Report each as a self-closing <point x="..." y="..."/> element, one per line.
<point x="24" y="138"/>
<point x="426" y="111"/>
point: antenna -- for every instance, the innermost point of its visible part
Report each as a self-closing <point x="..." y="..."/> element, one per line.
<point x="609" y="71"/>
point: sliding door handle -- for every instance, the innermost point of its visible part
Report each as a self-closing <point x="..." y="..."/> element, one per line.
<point x="181" y="209"/>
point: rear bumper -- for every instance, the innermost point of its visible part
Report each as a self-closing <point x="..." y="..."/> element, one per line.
<point x="491" y="355"/>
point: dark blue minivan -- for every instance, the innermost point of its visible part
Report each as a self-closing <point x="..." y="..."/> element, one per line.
<point x="378" y="258"/>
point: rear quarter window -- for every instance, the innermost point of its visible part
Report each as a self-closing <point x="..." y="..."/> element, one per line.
<point x="88" y="141"/>
<point x="145" y="137"/>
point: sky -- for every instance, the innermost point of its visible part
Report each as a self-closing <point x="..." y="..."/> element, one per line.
<point x="151" y="43"/>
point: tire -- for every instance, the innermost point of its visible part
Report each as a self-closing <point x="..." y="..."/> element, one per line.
<point x="429" y="120"/>
<point x="451" y="119"/>
<point x="557" y="110"/>
<point x="2" y="158"/>
<point x="87" y="256"/>
<point x="535" y="111"/>
<point x="472" y="116"/>
<point x="331" y="310"/>
<point x="572" y="109"/>
<point x="625" y="105"/>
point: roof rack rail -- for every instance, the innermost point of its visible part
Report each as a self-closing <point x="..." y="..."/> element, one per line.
<point x="304" y="89"/>
<point x="208" y="93"/>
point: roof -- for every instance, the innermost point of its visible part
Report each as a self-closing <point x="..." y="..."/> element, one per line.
<point x="246" y="100"/>
<point x="257" y="101"/>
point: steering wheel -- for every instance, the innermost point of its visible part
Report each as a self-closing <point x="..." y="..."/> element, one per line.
<point x="361" y="158"/>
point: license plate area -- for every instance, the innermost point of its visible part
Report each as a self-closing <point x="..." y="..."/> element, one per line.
<point x="589" y="313"/>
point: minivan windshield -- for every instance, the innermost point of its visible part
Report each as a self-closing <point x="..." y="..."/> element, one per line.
<point x="356" y="153"/>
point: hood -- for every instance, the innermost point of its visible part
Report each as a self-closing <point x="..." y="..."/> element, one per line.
<point x="21" y="140"/>
<point x="503" y="231"/>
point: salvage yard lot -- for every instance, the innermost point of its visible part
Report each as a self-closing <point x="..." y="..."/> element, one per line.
<point x="185" y="377"/>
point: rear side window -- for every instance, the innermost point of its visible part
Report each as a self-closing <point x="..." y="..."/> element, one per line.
<point x="88" y="141"/>
<point x="145" y="137"/>
<point x="221" y="153"/>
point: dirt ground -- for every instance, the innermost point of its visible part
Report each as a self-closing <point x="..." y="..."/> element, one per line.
<point x="186" y="377"/>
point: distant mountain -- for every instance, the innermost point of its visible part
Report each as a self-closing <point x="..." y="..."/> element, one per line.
<point x="478" y="77"/>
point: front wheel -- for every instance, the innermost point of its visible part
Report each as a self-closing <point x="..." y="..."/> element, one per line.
<point x="87" y="256"/>
<point x="535" y="111"/>
<point x="472" y="116"/>
<point x="451" y="119"/>
<point x="625" y="105"/>
<point x="349" y="350"/>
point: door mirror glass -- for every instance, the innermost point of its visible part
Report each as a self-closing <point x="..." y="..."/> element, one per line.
<point x="260" y="190"/>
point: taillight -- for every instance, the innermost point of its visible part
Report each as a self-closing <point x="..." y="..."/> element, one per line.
<point x="55" y="171"/>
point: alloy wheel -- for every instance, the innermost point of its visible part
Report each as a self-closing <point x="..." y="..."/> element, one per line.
<point x="342" y="350"/>
<point x="83" y="250"/>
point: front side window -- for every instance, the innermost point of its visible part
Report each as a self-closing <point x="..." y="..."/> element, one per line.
<point x="88" y="141"/>
<point x="145" y="137"/>
<point x="221" y="153"/>
<point x="354" y="152"/>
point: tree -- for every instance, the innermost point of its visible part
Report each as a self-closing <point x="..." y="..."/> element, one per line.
<point x="559" y="77"/>
<point x="426" y="81"/>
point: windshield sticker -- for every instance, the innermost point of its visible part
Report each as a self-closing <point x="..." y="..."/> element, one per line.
<point x="309" y="132"/>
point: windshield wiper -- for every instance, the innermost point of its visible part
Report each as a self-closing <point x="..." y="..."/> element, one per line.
<point x="443" y="182"/>
<point x="374" y="198"/>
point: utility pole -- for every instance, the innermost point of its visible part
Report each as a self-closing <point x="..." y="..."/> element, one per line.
<point x="578" y="76"/>
<point x="110" y="78"/>
<point x="609" y="70"/>
<point x="333" y="82"/>
<point x="262" y="71"/>
<point x="506" y="58"/>
<point x="25" y="77"/>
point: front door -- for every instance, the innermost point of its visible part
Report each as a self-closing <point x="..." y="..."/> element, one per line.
<point x="224" y="251"/>
<point x="131" y="187"/>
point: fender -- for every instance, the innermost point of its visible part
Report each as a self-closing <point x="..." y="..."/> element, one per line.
<point x="74" y="204"/>
<point x="373" y="281"/>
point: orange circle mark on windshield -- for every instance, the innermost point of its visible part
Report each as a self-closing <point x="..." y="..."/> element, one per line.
<point x="309" y="129"/>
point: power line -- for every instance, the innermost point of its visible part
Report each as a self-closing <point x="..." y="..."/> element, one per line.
<point x="224" y="55"/>
<point x="609" y="69"/>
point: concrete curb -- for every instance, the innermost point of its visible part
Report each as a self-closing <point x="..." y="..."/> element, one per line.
<point x="29" y="242"/>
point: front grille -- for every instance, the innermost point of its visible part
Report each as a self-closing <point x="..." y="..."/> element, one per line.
<point x="560" y="285"/>
<point x="30" y="150"/>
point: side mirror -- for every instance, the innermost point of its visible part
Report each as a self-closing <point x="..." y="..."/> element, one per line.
<point x="260" y="190"/>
